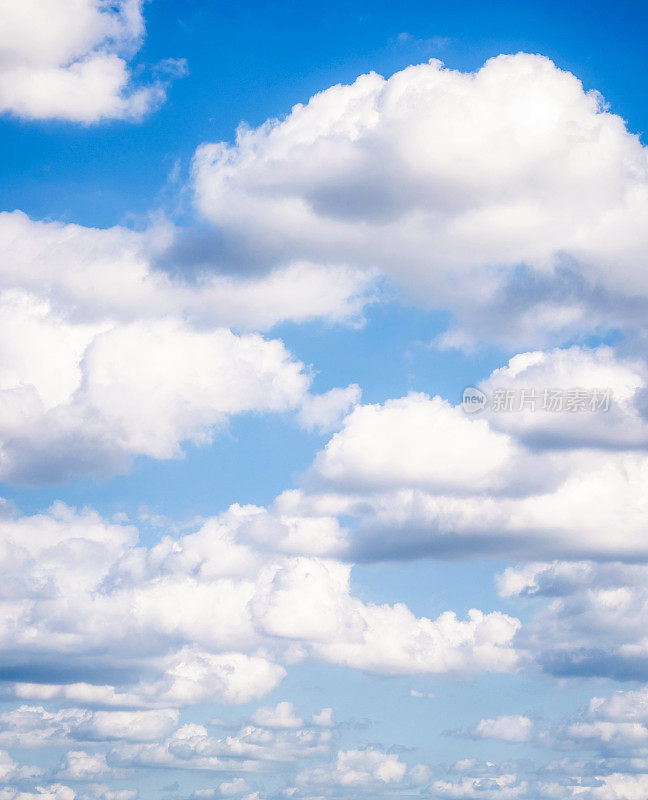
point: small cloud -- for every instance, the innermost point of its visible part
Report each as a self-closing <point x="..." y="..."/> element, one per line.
<point x="431" y="43"/>
<point x="172" y="68"/>
<point x="513" y="728"/>
<point x="325" y="412"/>
<point x="281" y="716"/>
<point x="324" y="719"/>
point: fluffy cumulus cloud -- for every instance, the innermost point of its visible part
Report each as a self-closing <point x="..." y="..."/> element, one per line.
<point x="549" y="391"/>
<point x="91" y="618"/>
<point x="68" y="59"/>
<point x="591" y="619"/>
<point x="79" y="398"/>
<point x="612" y="730"/>
<point x="212" y="615"/>
<point x="474" y="781"/>
<point x="77" y="765"/>
<point x="510" y="728"/>
<point x="310" y="601"/>
<point x="282" y="716"/>
<point x="122" y="636"/>
<point x="90" y="273"/>
<point x="562" y="779"/>
<point x="355" y="771"/>
<point x="325" y="412"/>
<point x="418" y="476"/>
<point x="509" y="193"/>
<point x="414" y="441"/>
<point x="106" y="358"/>
<point x="11" y="771"/>
<point x="252" y="748"/>
<point x="33" y="726"/>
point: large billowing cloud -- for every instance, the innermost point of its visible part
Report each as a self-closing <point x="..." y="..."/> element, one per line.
<point x="90" y="617"/>
<point x="105" y="358"/>
<point x="542" y="385"/>
<point x="92" y="273"/>
<point x="510" y="196"/>
<point x="122" y="637"/>
<point x="105" y="642"/>
<point x="68" y="59"/>
<point x="421" y="477"/>
<point x="84" y="398"/>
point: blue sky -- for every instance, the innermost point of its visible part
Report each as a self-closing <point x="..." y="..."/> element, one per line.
<point x="253" y="544"/>
<point x="254" y="61"/>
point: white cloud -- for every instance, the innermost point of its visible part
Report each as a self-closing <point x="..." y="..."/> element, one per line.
<point x="614" y="729"/>
<point x="508" y="728"/>
<point x="98" y="620"/>
<point x="58" y="791"/>
<point x="591" y="620"/>
<point x="451" y="182"/>
<point x="414" y="441"/>
<point x="11" y="771"/>
<point x="416" y="476"/>
<point x="54" y="791"/>
<point x="282" y="716"/>
<point x="90" y="274"/>
<point x="395" y="642"/>
<point x="324" y="718"/>
<point x="622" y="426"/>
<point x="621" y="706"/>
<point x="68" y="59"/>
<point x="233" y="787"/>
<point x="310" y="600"/>
<point x="105" y="357"/>
<point x="617" y="786"/>
<point x="77" y="765"/>
<point x="126" y="390"/>
<point x="357" y="769"/>
<point x="132" y="725"/>
<point x="491" y="787"/>
<point x="619" y="734"/>
<point x="185" y="677"/>
<point x="324" y="412"/>
<point x="253" y="748"/>
<point x="33" y="726"/>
